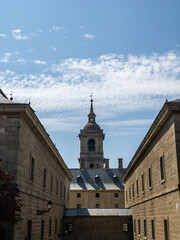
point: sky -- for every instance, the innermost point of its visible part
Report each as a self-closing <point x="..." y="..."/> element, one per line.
<point x="55" y="53"/>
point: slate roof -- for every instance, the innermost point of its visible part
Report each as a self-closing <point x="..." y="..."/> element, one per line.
<point x="75" y="212"/>
<point x="84" y="179"/>
<point x="4" y="99"/>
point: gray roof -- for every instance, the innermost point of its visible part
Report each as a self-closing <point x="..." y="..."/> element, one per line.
<point x="75" y="212"/>
<point x="107" y="179"/>
<point x="4" y="99"/>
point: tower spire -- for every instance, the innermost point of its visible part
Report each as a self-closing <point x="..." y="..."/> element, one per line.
<point x="91" y="115"/>
<point x="91" y="107"/>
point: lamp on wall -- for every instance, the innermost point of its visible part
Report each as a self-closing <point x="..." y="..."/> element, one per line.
<point x="49" y="206"/>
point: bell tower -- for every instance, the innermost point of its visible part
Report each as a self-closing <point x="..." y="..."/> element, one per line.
<point x="91" y="143"/>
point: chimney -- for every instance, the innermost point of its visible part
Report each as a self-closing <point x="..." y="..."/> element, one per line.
<point x="120" y="163"/>
<point x="106" y="164"/>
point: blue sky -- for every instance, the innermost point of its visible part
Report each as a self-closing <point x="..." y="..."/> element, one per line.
<point x="126" y="52"/>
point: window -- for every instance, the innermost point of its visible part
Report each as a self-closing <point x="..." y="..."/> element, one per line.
<point x="142" y="179"/>
<point x="137" y="187"/>
<point x="133" y="190"/>
<point x="116" y="205"/>
<point x="64" y="192"/>
<point x="50" y="223"/>
<point x="125" y="227"/>
<point x="116" y="195"/>
<point x="78" y="179"/>
<point x="57" y="183"/>
<point x="44" y="178"/>
<point x="32" y="169"/>
<point x="139" y="227"/>
<point x="162" y="168"/>
<point x="60" y="227"/>
<point x="61" y="190"/>
<point x="55" y="226"/>
<point x="152" y="227"/>
<point x="69" y="227"/>
<point x="78" y="195"/>
<point x="145" y="231"/>
<point x="126" y="196"/>
<point x="96" y="179"/>
<point x="51" y="183"/>
<point x="129" y="193"/>
<point x="97" y="195"/>
<point x="42" y="229"/>
<point x="166" y="231"/>
<point x="29" y="229"/>
<point x="78" y="205"/>
<point x="115" y="178"/>
<point x="150" y="180"/>
<point x="97" y="205"/>
<point x="134" y="225"/>
<point x="91" y="145"/>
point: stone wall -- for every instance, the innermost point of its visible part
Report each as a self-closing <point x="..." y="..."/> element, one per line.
<point x="98" y="228"/>
<point x="22" y="139"/>
<point x="159" y="202"/>
<point x="88" y="199"/>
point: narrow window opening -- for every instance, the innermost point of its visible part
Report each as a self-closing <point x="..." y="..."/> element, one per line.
<point x="29" y="229"/>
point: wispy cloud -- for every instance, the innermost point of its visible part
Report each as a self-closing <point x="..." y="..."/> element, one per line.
<point x="138" y="122"/>
<point x="56" y="29"/>
<point x="39" y="62"/>
<point x="87" y="35"/>
<point x="3" y="35"/>
<point x="6" y="57"/>
<point x="17" y="35"/>
<point x="119" y="84"/>
<point x="54" y="49"/>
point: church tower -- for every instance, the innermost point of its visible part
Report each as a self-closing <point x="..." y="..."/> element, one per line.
<point x="91" y="143"/>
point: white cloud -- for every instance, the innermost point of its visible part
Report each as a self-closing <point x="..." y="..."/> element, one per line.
<point x="54" y="49"/>
<point x="87" y="35"/>
<point x="138" y="122"/>
<point x="56" y="29"/>
<point x="39" y="62"/>
<point x="6" y="57"/>
<point x="17" y="35"/>
<point x="118" y="83"/>
<point x="3" y="35"/>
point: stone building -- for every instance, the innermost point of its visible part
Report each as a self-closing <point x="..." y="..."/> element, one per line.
<point x="28" y="154"/>
<point x="152" y="179"/>
<point x="94" y="184"/>
<point x="97" y="224"/>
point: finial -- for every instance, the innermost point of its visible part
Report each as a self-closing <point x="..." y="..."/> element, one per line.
<point x="166" y="99"/>
<point x="29" y="102"/>
<point x="91" y="97"/>
<point x="11" y="94"/>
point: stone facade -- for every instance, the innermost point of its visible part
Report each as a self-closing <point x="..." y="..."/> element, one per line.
<point x="29" y="155"/>
<point x="104" y="224"/>
<point x="105" y="199"/>
<point x="152" y="179"/>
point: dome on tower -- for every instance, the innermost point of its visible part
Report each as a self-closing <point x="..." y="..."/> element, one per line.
<point x="91" y="126"/>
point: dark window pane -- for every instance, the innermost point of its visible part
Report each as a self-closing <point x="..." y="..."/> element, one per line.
<point x="29" y="229"/>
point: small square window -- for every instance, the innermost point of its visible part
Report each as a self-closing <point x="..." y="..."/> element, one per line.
<point x="116" y="205"/>
<point x="97" y="205"/>
<point x="78" y="205"/>
<point x="78" y="195"/>
<point x="97" y="195"/>
<point x="125" y="227"/>
<point x="116" y="195"/>
<point x="69" y="227"/>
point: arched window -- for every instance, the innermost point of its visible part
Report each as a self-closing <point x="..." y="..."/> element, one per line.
<point x="91" y="145"/>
